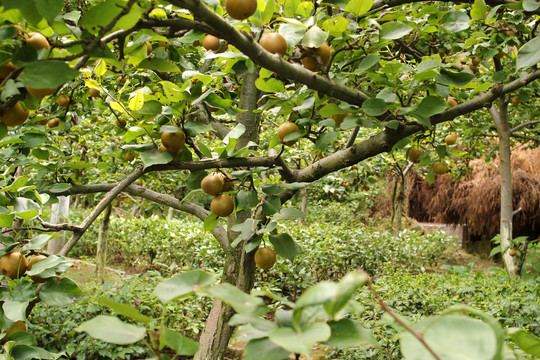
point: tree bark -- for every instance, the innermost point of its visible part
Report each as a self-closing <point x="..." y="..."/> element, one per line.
<point x="500" y="117"/>
<point x="101" y="252"/>
<point x="239" y="265"/>
<point x="304" y="204"/>
<point x="59" y="212"/>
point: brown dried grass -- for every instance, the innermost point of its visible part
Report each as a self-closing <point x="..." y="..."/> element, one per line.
<point x="476" y="201"/>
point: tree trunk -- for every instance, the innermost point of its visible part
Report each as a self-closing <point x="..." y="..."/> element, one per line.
<point x="303" y="206"/>
<point x="239" y="265"/>
<point x="170" y="214"/>
<point x="399" y="205"/>
<point x="58" y="213"/>
<point x="101" y="252"/>
<point x="239" y="271"/>
<point x="500" y="118"/>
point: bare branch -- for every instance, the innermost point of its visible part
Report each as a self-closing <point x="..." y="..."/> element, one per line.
<point x="520" y="126"/>
<point x="111" y="195"/>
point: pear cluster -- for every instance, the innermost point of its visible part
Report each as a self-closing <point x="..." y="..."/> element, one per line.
<point x="222" y="204"/>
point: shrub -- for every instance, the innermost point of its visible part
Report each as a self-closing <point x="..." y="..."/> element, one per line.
<point x="513" y="303"/>
<point x="54" y="327"/>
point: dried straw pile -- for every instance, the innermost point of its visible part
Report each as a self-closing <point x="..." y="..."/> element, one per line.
<point x="476" y="200"/>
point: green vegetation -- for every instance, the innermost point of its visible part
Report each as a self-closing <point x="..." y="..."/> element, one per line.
<point x="406" y="271"/>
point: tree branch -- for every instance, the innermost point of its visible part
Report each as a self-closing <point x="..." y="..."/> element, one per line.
<point x="520" y="126"/>
<point x="111" y="195"/>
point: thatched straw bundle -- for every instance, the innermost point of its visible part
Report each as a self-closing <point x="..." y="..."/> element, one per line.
<point x="476" y="201"/>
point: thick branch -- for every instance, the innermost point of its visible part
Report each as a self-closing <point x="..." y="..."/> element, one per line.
<point x="245" y="43"/>
<point x="164" y="199"/>
<point x="219" y="232"/>
<point x="520" y="126"/>
<point x="111" y="195"/>
<point x="264" y="161"/>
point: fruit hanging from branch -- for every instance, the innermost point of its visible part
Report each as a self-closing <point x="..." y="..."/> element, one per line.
<point x="286" y="129"/>
<point x="62" y="100"/>
<point x="222" y="205"/>
<point x="31" y="263"/>
<point x="265" y="258"/>
<point x="13" y="265"/>
<point x="173" y="141"/>
<point x="240" y="9"/>
<point x="37" y="41"/>
<point x="211" y="43"/>
<point x="274" y="43"/>
<point x="314" y="55"/>
<point x="440" y="167"/>
<point x="415" y="153"/>
<point x="450" y="139"/>
<point x="14" y="115"/>
<point x="212" y="184"/>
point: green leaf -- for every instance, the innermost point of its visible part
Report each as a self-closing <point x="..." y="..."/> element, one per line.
<point x="193" y="181"/>
<point x="182" y="285"/>
<point x="154" y="157"/>
<point x="284" y="245"/>
<point x="268" y="12"/>
<point x="454" y="78"/>
<point x="271" y="205"/>
<point x="359" y="7"/>
<point x="478" y="10"/>
<point x="6" y="219"/>
<point x="530" y="5"/>
<point x="112" y="330"/>
<point x="59" y="293"/>
<point x="431" y="105"/>
<point x="347" y="332"/>
<point x="288" y="214"/>
<point x="270" y="85"/>
<point x="526" y="341"/>
<point x="49" y="9"/>
<point x="264" y="349"/>
<point x="300" y="342"/>
<point x="529" y="54"/>
<point x="241" y="302"/>
<point x="210" y="222"/>
<point x="346" y="289"/>
<point x="124" y="309"/>
<point x="59" y="188"/>
<point x="180" y="344"/>
<point x="235" y="133"/>
<point x="134" y="131"/>
<point x="292" y="33"/>
<point x="322" y="293"/>
<point x="314" y="37"/>
<point x="451" y="337"/>
<point x="367" y="63"/>
<point x="16" y="185"/>
<point x="455" y="21"/>
<point x="325" y="139"/>
<point x="38" y="242"/>
<point x="247" y="199"/>
<point x="25" y="208"/>
<point x="394" y="30"/>
<point x="374" y="107"/>
<point x="101" y="14"/>
<point x="47" y="74"/>
<point x="15" y="310"/>
<point x="50" y="267"/>
<point x="158" y="64"/>
<point x="24" y="352"/>
<point x="150" y="109"/>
